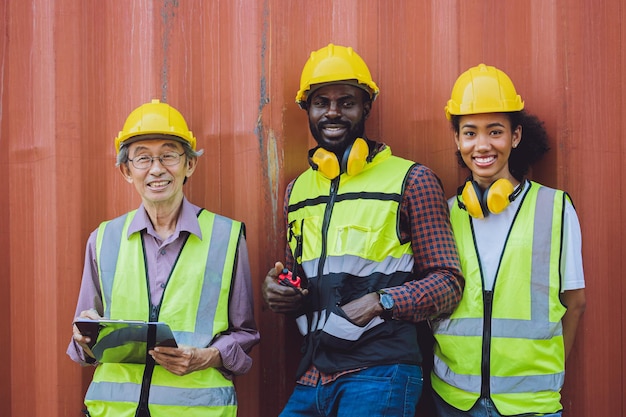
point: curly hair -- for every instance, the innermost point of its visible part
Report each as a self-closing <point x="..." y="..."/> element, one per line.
<point x="533" y="146"/>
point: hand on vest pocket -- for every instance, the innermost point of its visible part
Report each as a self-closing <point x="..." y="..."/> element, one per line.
<point x="340" y="333"/>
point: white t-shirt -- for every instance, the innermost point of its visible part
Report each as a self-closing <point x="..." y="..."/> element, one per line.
<point x="491" y="231"/>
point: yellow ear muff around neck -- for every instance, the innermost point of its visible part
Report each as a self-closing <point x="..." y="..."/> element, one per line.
<point x="495" y="199"/>
<point x="472" y="200"/>
<point x="352" y="163"/>
<point x="355" y="158"/>
<point x="325" y="162"/>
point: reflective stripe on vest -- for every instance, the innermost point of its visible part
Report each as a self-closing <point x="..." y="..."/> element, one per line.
<point x="196" y="310"/>
<point x="351" y="232"/>
<point x="525" y="318"/>
<point x="169" y="396"/>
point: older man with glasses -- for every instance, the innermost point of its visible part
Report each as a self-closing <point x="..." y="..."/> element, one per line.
<point x="173" y="262"/>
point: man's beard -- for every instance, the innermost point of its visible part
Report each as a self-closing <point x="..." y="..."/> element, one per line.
<point x="338" y="148"/>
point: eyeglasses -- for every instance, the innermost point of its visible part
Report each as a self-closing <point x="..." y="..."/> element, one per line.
<point x="167" y="159"/>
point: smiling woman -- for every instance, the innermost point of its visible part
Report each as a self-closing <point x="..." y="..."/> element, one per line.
<point x="520" y="248"/>
<point x="485" y="142"/>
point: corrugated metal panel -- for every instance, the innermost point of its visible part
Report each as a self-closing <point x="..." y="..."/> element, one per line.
<point x="5" y="268"/>
<point x="71" y="71"/>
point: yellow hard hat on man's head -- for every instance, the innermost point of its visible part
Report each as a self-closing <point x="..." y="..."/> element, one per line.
<point x="153" y="120"/>
<point x="334" y="64"/>
<point x="483" y="89"/>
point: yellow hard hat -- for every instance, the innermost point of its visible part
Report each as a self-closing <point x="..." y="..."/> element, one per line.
<point x="483" y="89"/>
<point x="154" y="118"/>
<point x="331" y="64"/>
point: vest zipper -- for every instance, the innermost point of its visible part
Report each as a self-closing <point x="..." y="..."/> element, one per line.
<point x="312" y="344"/>
<point x="485" y="390"/>
<point x="334" y="186"/>
<point x="154" y="313"/>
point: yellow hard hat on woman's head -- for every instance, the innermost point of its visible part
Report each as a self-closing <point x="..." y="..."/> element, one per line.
<point x="483" y="89"/>
<point x="333" y="64"/>
<point x="154" y="119"/>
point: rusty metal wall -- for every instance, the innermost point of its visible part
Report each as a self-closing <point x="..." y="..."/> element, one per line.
<point x="71" y="70"/>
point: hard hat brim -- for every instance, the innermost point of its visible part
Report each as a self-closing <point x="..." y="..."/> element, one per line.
<point x="303" y="97"/>
<point x="153" y="136"/>
<point x="355" y="83"/>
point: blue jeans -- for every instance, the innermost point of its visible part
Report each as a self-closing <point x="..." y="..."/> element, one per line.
<point x="483" y="408"/>
<point x="379" y="391"/>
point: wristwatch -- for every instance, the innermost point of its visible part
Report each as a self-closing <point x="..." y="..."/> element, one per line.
<point x="386" y="302"/>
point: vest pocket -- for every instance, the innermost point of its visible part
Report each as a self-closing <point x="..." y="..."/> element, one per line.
<point x="352" y="240"/>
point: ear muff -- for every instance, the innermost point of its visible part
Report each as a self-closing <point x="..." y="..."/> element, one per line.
<point x="498" y="196"/>
<point x="325" y="162"/>
<point x="355" y="157"/>
<point x="352" y="163"/>
<point x="494" y="199"/>
<point x="472" y="200"/>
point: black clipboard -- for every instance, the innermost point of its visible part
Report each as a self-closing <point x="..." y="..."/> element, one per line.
<point x="123" y="341"/>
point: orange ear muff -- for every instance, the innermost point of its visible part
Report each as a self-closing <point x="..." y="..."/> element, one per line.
<point x="353" y="161"/>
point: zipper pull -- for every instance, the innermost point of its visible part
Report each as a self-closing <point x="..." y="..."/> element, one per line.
<point x="154" y="313"/>
<point x="488" y="296"/>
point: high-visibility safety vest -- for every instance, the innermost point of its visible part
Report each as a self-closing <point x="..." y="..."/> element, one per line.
<point x="344" y="235"/>
<point x="507" y="344"/>
<point x="196" y="310"/>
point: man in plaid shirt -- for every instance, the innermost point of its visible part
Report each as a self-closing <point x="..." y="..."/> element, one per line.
<point x="369" y="238"/>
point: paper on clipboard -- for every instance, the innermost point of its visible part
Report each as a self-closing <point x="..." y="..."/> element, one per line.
<point x="121" y="341"/>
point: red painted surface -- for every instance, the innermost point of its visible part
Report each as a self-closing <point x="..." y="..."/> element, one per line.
<point x="70" y="72"/>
